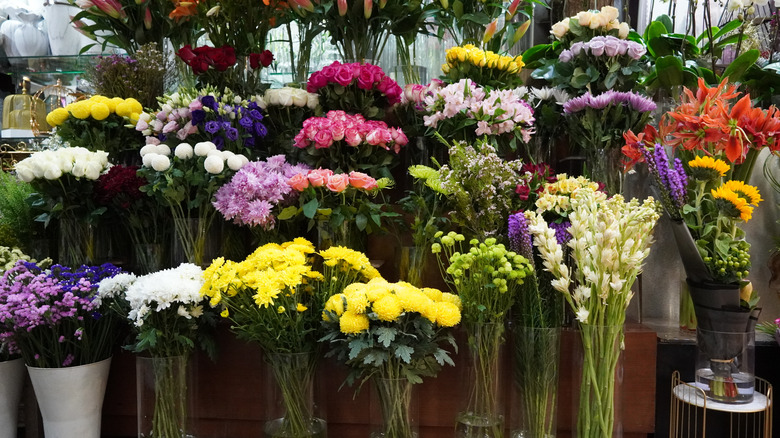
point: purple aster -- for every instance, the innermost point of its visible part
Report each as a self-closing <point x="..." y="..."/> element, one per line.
<point x="640" y="103"/>
<point x="212" y="127"/>
<point x="604" y="99"/>
<point x="577" y="104"/>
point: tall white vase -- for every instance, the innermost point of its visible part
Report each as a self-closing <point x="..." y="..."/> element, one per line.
<point x="64" y="39"/>
<point x="11" y="383"/>
<point x="71" y="399"/>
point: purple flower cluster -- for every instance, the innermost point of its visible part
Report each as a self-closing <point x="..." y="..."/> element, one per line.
<point x="520" y="239"/>
<point x="254" y="191"/>
<point x="673" y="180"/>
<point x="562" y="234"/>
<point x="604" y="46"/>
<point x="631" y="100"/>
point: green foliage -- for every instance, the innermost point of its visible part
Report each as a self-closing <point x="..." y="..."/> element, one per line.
<point x="16" y="215"/>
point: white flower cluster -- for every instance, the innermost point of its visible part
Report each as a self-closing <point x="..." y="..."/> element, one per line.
<point x="158" y="157"/>
<point x="736" y="5"/>
<point x="289" y="96"/>
<point x="113" y="287"/>
<point x="52" y="164"/>
<point x="539" y="95"/>
<point x="177" y="288"/>
<point x="610" y="240"/>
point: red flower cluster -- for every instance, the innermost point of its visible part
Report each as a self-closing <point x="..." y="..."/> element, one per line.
<point x="201" y="58"/>
<point x="366" y="76"/>
<point x="261" y="59"/>
<point x="537" y="175"/>
<point x="120" y="186"/>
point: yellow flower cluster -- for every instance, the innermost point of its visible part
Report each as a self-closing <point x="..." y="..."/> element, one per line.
<point x="604" y="20"/>
<point x="740" y="197"/>
<point x="556" y="197"/>
<point x="472" y="55"/>
<point x="98" y="108"/>
<point x="380" y="300"/>
<point x="707" y="168"/>
<point x="345" y="259"/>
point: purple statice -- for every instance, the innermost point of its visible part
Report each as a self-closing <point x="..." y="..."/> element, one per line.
<point x="255" y="191"/>
<point x="562" y="234"/>
<point x="520" y="239"/>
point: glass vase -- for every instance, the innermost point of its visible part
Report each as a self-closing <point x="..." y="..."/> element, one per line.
<point x="411" y="266"/>
<point x="598" y="381"/>
<point x="725" y="365"/>
<point x="483" y="416"/>
<point x="604" y="165"/>
<point x="394" y="408"/>
<point x="536" y="357"/>
<point x="77" y="242"/>
<point x="290" y="401"/>
<point x="162" y="396"/>
<point x="345" y="234"/>
<point x="194" y="241"/>
<point x="149" y="257"/>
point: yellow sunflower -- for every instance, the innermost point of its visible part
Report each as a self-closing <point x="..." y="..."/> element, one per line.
<point x="748" y="192"/>
<point x="732" y="204"/>
<point x="707" y="168"/>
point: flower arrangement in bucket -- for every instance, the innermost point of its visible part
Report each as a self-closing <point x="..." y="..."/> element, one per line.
<point x="716" y="136"/>
<point x="275" y="297"/>
<point x="219" y="67"/>
<point x="610" y="238"/>
<point x="393" y="335"/>
<point x="168" y="318"/>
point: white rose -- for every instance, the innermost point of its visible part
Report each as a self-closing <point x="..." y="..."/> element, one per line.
<point x="584" y="18"/>
<point x="184" y="151"/>
<point x="314" y="101"/>
<point x="161" y="163"/>
<point x="24" y="173"/>
<point x="102" y="157"/>
<point x="147" y="159"/>
<point x="260" y="101"/>
<point x="299" y="97"/>
<point x="610" y="12"/>
<point x="202" y="149"/>
<point x="79" y="169"/>
<point x="272" y="97"/>
<point x="52" y="173"/>
<point x="560" y="28"/>
<point x="64" y="163"/>
<point x="623" y="30"/>
<point x="235" y="162"/>
<point x="150" y="148"/>
<point x="285" y="96"/>
<point x="93" y="171"/>
<point x="214" y="164"/>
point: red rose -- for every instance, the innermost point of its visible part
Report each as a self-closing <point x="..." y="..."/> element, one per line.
<point x="266" y="58"/>
<point x="186" y="54"/>
<point x="223" y="58"/>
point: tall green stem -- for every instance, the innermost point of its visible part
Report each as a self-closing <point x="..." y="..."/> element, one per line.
<point x="482" y="417"/>
<point x="601" y="353"/>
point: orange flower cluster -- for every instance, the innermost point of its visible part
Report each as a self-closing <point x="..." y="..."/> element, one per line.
<point x="184" y="9"/>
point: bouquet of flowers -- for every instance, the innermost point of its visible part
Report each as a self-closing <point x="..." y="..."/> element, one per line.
<point x="597" y="124"/>
<point x="259" y="192"/>
<point x="242" y="24"/>
<point x="465" y="111"/>
<point x="76" y="327"/>
<point x="185" y="180"/>
<point x="610" y="238"/>
<point x="479" y="187"/>
<point x="286" y="109"/>
<point x="276" y="298"/>
<point x="588" y="24"/>
<point x="220" y="68"/>
<point x="63" y="181"/>
<point x="345" y="142"/>
<point x="355" y="88"/>
<point x="98" y="123"/>
<point x="486" y="69"/>
<point x="169" y="318"/>
<point x="145" y="220"/>
<point x="601" y="64"/>
<point x="336" y="202"/>
<point x="392" y="334"/>
<point x="223" y="118"/>
<point x="486" y="277"/>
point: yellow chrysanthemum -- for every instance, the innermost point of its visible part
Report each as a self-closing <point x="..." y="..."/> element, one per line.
<point x="732" y="204"/>
<point x="280" y="309"/>
<point x="113" y="102"/>
<point x="57" y="117"/>
<point x="434" y="294"/>
<point x="134" y="117"/>
<point x="707" y="168"/>
<point x="351" y="323"/>
<point x="447" y="297"/>
<point x="412" y="299"/>
<point x="300" y="244"/>
<point x="135" y="106"/>
<point x="387" y="308"/>
<point x="447" y="314"/>
<point x="376" y="290"/>
<point x="746" y="191"/>
<point x="357" y="301"/>
<point x="123" y="109"/>
<point x="99" y="111"/>
<point x="79" y="110"/>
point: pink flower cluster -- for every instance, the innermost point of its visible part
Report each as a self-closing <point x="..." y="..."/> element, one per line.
<point x="353" y="129"/>
<point x="604" y="45"/>
<point x="497" y="111"/>
<point x="335" y="182"/>
<point x="365" y="76"/>
<point x="415" y="94"/>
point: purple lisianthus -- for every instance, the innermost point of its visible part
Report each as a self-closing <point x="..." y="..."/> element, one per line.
<point x="249" y="142"/>
<point x="212" y="127"/>
<point x="246" y="122"/>
<point x="198" y="116"/>
<point x="219" y="142"/>
<point x="209" y="102"/>
<point x="260" y="129"/>
<point x="231" y="133"/>
<point x="255" y="114"/>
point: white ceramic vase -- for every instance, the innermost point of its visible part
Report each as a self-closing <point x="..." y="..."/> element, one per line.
<point x="28" y="38"/>
<point x="11" y="383"/>
<point x="64" y="39"/>
<point x="71" y="399"/>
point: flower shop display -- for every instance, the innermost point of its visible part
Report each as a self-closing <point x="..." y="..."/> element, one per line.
<point x="588" y="24"/>
<point x="229" y="121"/>
<point x="356" y="87"/>
<point x="219" y="67"/>
<point x="185" y="181"/>
<point x="610" y="238"/>
<point x="286" y="109"/>
<point x="63" y="181"/>
<point x="596" y="125"/>
<point x="348" y="142"/>
<point x="99" y="124"/>
<point x="392" y="334"/>
<point x="169" y="319"/>
<point x="257" y="194"/>
<point x="275" y="297"/>
<point x="486" y="69"/>
<point x="340" y="205"/>
<point x="465" y="111"/>
<point x="486" y="277"/>
<point x="147" y="222"/>
<point x="549" y="122"/>
<point x="478" y="23"/>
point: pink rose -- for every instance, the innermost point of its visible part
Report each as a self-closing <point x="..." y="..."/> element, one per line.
<point x="352" y="137"/>
<point x="360" y="180"/>
<point x="611" y="47"/>
<point x="635" y="50"/>
<point x="343" y="75"/>
<point x="337" y="131"/>
<point x="596" y="47"/>
<point x="316" y="81"/>
<point x="299" y="141"/>
<point x="399" y="137"/>
<point x="323" y="139"/>
<point x="379" y="137"/>
<point x="298" y="182"/>
<point x="366" y="79"/>
<point x="318" y="177"/>
<point x="338" y="183"/>
<point x="329" y="72"/>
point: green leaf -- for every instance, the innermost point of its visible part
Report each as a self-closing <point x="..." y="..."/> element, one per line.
<point x="361" y="221"/>
<point x="288" y="213"/>
<point x="739" y="66"/>
<point x="310" y="208"/>
<point x="385" y="335"/>
<point x="476" y="18"/>
<point x="404" y="352"/>
<point x="443" y="357"/>
<point x="356" y="346"/>
<point x="669" y="70"/>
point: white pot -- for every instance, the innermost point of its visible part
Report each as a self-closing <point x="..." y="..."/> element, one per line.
<point x="29" y="40"/>
<point x="11" y="383"/>
<point x="64" y="39"/>
<point x="71" y="399"/>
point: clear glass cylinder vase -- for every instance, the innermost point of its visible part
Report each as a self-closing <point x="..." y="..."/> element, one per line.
<point x="149" y="257"/>
<point x="290" y="407"/>
<point x="598" y="381"/>
<point x="76" y="243"/>
<point x="725" y="365"/>
<point x="536" y="361"/>
<point x="195" y="241"/>
<point x="483" y="415"/>
<point x="345" y="234"/>
<point x="394" y="409"/>
<point x="163" y="397"/>
<point x="604" y="165"/>
<point x="411" y="266"/>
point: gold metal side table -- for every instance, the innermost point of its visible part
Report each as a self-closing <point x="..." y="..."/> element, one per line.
<point x="690" y="410"/>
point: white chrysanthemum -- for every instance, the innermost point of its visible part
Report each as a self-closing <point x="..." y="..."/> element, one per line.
<point x="161" y="163"/>
<point x="161" y="290"/>
<point x="183" y="151"/>
<point x="147" y="159"/>
<point x="235" y="162"/>
<point x="148" y="149"/>
<point x="163" y="149"/>
<point x="114" y="286"/>
<point x="202" y="149"/>
<point x="214" y="164"/>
